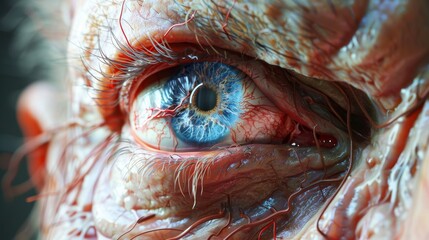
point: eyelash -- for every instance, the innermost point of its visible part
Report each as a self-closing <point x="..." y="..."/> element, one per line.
<point x="129" y="63"/>
<point x="114" y="76"/>
<point x="133" y="68"/>
<point x="125" y="73"/>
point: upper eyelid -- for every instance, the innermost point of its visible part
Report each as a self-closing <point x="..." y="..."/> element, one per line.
<point x="128" y="63"/>
<point x="185" y="53"/>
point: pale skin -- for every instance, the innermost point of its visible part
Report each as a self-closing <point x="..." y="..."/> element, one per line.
<point x="105" y="174"/>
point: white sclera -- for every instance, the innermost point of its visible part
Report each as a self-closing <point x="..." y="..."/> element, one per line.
<point x="152" y="130"/>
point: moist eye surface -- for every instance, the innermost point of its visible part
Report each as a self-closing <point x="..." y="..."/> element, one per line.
<point x="202" y="105"/>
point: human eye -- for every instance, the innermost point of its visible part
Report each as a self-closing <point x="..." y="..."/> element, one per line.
<point x="255" y="123"/>
<point x="206" y="104"/>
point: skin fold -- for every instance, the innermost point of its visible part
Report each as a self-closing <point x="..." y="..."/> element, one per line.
<point x="353" y="72"/>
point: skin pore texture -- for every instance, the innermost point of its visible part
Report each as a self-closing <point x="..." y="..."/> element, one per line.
<point x="330" y="139"/>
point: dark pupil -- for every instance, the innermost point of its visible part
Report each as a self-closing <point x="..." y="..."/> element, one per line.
<point x="205" y="99"/>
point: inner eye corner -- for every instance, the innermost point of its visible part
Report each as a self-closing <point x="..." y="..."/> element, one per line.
<point x="345" y="99"/>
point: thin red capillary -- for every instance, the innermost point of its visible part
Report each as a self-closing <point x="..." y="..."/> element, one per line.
<point x="225" y="24"/>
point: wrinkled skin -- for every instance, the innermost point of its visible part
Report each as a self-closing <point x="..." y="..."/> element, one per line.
<point x="97" y="180"/>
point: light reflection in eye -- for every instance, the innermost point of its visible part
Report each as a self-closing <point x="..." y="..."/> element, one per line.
<point x="206" y="104"/>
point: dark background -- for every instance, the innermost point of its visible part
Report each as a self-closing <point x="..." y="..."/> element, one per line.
<point x="13" y="79"/>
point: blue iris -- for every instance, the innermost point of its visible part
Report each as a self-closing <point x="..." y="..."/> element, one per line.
<point x="212" y="93"/>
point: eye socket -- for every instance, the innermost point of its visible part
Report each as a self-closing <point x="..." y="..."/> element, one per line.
<point x="202" y="105"/>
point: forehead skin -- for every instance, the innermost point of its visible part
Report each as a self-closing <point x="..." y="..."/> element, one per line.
<point x="349" y="41"/>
